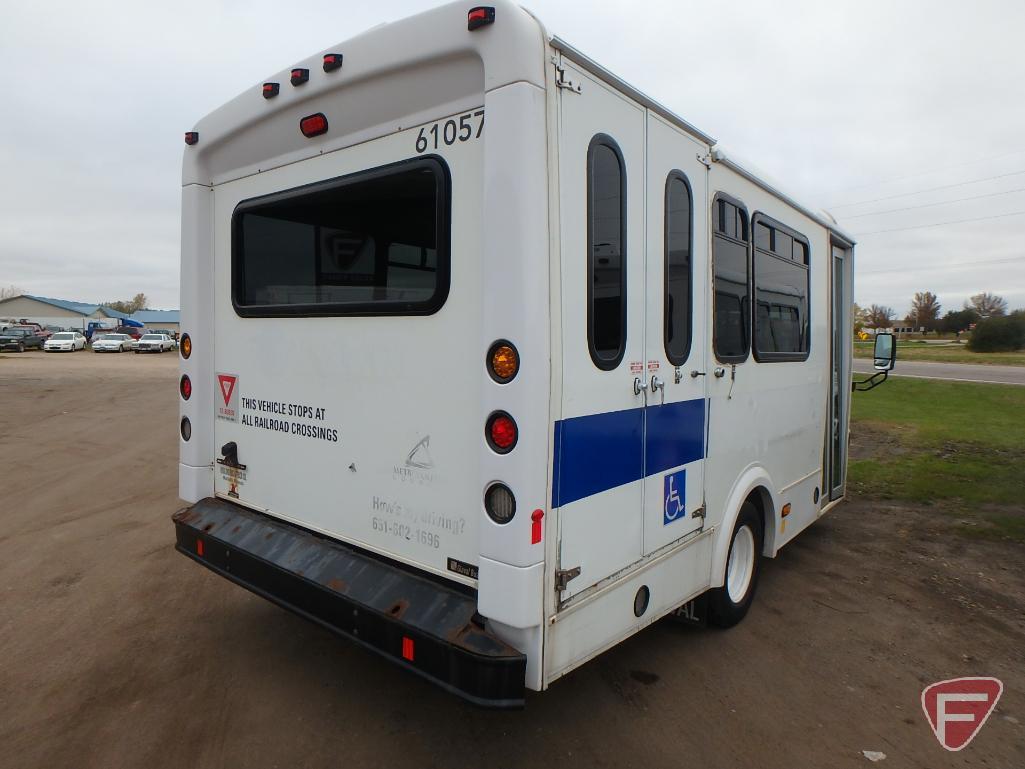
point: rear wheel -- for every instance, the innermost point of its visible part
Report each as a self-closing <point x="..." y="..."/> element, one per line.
<point x="728" y="604"/>
<point x="21" y="347"/>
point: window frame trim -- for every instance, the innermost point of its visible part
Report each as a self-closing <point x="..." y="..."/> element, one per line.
<point x="674" y="175"/>
<point x="777" y="357"/>
<point x="605" y="140"/>
<point x="748" y="246"/>
<point x="443" y="229"/>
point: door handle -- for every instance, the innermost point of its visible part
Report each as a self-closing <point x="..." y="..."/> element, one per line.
<point x="719" y="372"/>
<point x="694" y="374"/>
<point x="658" y="384"/>
<point x="640" y="385"/>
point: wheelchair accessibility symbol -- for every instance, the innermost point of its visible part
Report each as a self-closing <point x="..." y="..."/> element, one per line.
<point x="674" y="489"/>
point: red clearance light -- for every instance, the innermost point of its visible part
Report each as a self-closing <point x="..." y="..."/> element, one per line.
<point x="199" y="548"/>
<point x="535" y="526"/>
<point x="191" y="137"/>
<point x="407" y="648"/>
<point x="185" y="387"/>
<point x="501" y="432"/>
<point x="332" y="61"/>
<point x="313" y="125"/>
<point x="270" y="90"/>
<point x="480" y="16"/>
<point x="299" y="76"/>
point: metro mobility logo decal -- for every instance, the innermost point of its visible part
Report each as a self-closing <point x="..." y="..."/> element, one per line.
<point x="957" y="708"/>
<point x="227" y="385"/>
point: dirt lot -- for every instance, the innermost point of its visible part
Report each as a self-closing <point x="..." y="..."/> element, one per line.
<point x="116" y="651"/>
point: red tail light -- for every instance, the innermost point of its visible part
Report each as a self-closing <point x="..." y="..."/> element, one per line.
<point x="185" y="387"/>
<point x="501" y="432"/>
<point x="313" y="125"/>
<point x="479" y="16"/>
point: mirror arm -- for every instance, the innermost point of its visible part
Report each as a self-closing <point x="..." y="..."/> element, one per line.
<point x="867" y="384"/>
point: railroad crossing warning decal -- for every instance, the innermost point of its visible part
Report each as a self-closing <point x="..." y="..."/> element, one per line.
<point x="228" y="386"/>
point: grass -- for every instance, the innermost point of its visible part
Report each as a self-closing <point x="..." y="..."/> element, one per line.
<point x="945" y="353"/>
<point x="957" y="446"/>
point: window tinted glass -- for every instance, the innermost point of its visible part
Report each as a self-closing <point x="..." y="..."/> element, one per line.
<point x="678" y="270"/>
<point x="781" y="297"/>
<point x="364" y="244"/>
<point x="730" y="277"/>
<point x="606" y="240"/>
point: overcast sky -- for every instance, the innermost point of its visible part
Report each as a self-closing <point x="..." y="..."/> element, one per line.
<point x="859" y="106"/>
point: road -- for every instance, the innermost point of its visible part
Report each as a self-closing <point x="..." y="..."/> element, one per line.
<point x="116" y="651"/>
<point x="959" y="372"/>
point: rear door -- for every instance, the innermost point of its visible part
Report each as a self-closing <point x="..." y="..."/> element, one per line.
<point x="347" y="345"/>
<point x="598" y="481"/>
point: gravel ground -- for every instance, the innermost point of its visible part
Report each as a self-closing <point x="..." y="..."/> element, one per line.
<point x="116" y="651"/>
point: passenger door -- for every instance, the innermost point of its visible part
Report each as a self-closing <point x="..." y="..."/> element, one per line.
<point x="598" y="477"/>
<point x="675" y="417"/>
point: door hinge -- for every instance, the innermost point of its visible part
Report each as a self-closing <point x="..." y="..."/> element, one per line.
<point x="705" y="160"/>
<point x="699" y="513"/>
<point x="562" y="82"/>
<point x="563" y="576"/>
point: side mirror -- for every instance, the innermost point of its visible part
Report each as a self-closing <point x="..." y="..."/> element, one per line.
<point x="885" y="353"/>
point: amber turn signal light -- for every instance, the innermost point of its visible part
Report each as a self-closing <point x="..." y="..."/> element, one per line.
<point x="503" y="361"/>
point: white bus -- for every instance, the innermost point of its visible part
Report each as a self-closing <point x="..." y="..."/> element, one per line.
<point x="489" y="361"/>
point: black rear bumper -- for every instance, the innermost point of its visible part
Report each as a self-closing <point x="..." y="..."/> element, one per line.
<point x="426" y="627"/>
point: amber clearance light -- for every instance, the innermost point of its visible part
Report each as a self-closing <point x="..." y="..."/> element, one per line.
<point x="503" y="361"/>
<point x="185" y="346"/>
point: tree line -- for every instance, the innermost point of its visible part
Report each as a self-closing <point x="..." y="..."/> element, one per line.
<point x="985" y="315"/>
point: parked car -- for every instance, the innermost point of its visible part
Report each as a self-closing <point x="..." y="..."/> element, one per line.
<point x="154" y="343"/>
<point x="112" y="343"/>
<point x="19" y="339"/>
<point x="65" y="341"/>
<point x="33" y="328"/>
<point x="132" y="331"/>
<point x="173" y="335"/>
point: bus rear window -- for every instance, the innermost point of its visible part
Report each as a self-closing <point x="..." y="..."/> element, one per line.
<point x="374" y="243"/>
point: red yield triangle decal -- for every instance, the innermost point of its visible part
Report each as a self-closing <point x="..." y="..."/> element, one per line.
<point x="227" y="382"/>
<point x="957" y="708"/>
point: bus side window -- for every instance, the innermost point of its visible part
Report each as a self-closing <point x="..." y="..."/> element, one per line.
<point x="731" y="277"/>
<point x="606" y="253"/>
<point x="781" y="288"/>
<point x="678" y="268"/>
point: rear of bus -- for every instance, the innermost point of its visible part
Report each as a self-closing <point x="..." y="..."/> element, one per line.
<point x="364" y="240"/>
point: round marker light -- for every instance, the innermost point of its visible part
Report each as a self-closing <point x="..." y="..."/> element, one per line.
<point x="501" y="432"/>
<point x="185" y="387"/>
<point x="499" y="503"/>
<point x="185" y="346"/>
<point x="503" y="361"/>
<point x="186" y="428"/>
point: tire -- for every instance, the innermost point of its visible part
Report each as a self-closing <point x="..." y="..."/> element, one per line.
<point x="728" y="604"/>
<point x="21" y="347"/>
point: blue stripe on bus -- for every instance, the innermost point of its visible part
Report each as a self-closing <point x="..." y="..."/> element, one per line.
<point x="598" y="452"/>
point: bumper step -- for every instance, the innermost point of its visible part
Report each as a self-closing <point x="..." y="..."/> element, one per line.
<point x="426" y="627"/>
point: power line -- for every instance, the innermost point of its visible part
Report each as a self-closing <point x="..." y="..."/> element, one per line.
<point x="947" y="266"/>
<point x="941" y="224"/>
<point x="930" y="205"/>
<point x="921" y="173"/>
<point x="930" y="189"/>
